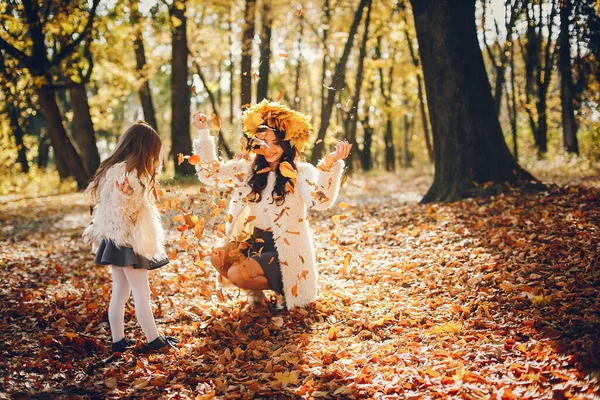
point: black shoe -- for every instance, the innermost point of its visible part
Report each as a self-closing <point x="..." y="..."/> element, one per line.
<point x="162" y="343"/>
<point x="121" y="345"/>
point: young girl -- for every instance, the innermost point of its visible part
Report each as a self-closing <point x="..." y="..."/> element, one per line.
<point x="128" y="229"/>
<point x="268" y="244"/>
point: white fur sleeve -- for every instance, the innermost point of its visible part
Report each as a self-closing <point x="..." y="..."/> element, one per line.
<point x="130" y="204"/>
<point x="319" y="189"/>
<point x="212" y="171"/>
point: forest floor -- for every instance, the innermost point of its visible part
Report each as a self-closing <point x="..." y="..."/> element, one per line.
<point x="483" y="298"/>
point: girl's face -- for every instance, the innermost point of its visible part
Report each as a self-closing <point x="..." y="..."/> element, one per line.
<point x="274" y="150"/>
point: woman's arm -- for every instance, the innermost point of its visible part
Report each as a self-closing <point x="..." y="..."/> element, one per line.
<point x="322" y="183"/>
<point x="211" y="170"/>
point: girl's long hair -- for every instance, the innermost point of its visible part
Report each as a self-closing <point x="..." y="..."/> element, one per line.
<point x="259" y="181"/>
<point x="139" y="147"/>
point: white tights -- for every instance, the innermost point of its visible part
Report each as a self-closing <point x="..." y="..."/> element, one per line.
<point x="126" y="280"/>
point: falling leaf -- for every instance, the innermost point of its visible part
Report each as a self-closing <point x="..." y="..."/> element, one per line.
<point x="194" y="159"/>
<point x="263" y="171"/>
<point x="179" y="158"/>
<point x="295" y="290"/>
<point x="299" y="12"/>
<point x="194" y="90"/>
<point x="343" y="205"/>
<point x="280" y="95"/>
<point x="283" y="55"/>
<point x="215" y="123"/>
<point x="285" y="168"/>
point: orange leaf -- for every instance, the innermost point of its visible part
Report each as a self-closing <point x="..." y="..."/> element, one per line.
<point x="280" y="96"/>
<point x="283" y="55"/>
<point x="295" y="290"/>
<point x="194" y="159"/>
<point x="216" y="122"/>
<point x="179" y="158"/>
<point x="263" y="171"/>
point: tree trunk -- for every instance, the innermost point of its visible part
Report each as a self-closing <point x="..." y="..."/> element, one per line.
<point x="405" y="150"/>
<point x="297" y="98"/>
<point x="43" y="151"/>
<point x="513" y="107"/>
<point x="390" y="151"/>
<point x="324" y="64"/>
<point x="468" y="142"/>
<point x="247" y="39"/>
<point x="18" y="134"/>
<point x="144" y="90"/>
<point x="422" y="107"/>
<point x="181" y="141"/>
<point x="63" y="148"/>
<point x="337" y="84"/>
<point x="353" y="114"/>
<point x="142" y="67"/>
<point x="83" y="128"/>
<point x="231" y="73"/>
<point x="366" y="157"/>
<point x="566" y="80"/>
<point x="262" y="88"/>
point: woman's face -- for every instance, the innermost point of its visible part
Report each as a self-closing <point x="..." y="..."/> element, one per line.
<point x="273" y="150"/>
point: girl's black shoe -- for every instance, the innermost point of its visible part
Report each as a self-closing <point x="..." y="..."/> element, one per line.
<point x="162" y="343"/>
<point x="121" y="345"/>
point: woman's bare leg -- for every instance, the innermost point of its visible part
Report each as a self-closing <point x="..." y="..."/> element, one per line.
<point x="221" y="258"/>
<point x="248" y="275"/>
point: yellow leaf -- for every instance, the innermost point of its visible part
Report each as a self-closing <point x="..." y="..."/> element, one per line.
<point x="280" y="96"/>
<point x="286" y="170"/>
<point x="343" y="205"/>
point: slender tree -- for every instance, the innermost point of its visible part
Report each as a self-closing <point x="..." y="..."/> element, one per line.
<point x="337" y="83"/>
<point x="247" y="39"/>
<point x="569" y="123"/>
<point x="262" y="87"/>
<point x="420" y="92"/>
<point x="469" y="146"/>
<point x="353" y="113"/>
<point x="141" y="66"/>
<point x="181" y="141"/>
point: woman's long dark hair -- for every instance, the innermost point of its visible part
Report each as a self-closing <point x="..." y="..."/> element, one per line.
<point x="259" y="181"/>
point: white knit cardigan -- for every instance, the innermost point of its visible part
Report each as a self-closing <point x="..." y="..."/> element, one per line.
<point x="291" y="232"/>
<point x="128" y="220"/>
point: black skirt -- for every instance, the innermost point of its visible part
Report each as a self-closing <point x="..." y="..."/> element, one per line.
<point x="261" y="248"/>
<point x="109" y="253"/>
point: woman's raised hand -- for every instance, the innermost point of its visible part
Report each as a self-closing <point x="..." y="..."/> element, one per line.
<point x="200" y="120"/>
<point x="342" y="150"/>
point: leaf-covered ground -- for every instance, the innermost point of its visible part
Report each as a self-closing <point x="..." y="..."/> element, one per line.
<point x="487" y="298"/>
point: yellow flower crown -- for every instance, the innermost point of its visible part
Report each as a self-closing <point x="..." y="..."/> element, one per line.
<point x="294" y="124"/>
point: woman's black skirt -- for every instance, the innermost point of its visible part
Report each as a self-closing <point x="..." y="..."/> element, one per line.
<point x="261" y="247"/>
<point x="109" y="253"/>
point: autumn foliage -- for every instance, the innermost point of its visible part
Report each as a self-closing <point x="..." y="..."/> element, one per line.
<point x="486" y="298"/>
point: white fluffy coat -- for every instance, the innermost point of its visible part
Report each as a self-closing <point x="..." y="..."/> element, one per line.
<point x="128" y="220"/>
<point x="291" y="232"/>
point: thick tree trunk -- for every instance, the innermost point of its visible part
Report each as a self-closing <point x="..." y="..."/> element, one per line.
<point x="181" y="141"/>
<point x="262" y="87"/>
<point x="325" y="62"/>
<point x="247" y="39"/>
<point x="566" y="80"/>
<point x="468" y="142"/>
<point x="337" y="83"/>
<point x="231" y="74"/>
<point x="43" y="151"/>
<point x="63" y="148"/>
<point x="83" y="128"/>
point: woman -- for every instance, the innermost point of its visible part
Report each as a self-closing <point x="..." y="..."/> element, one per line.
<point x="268" y="244"/>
